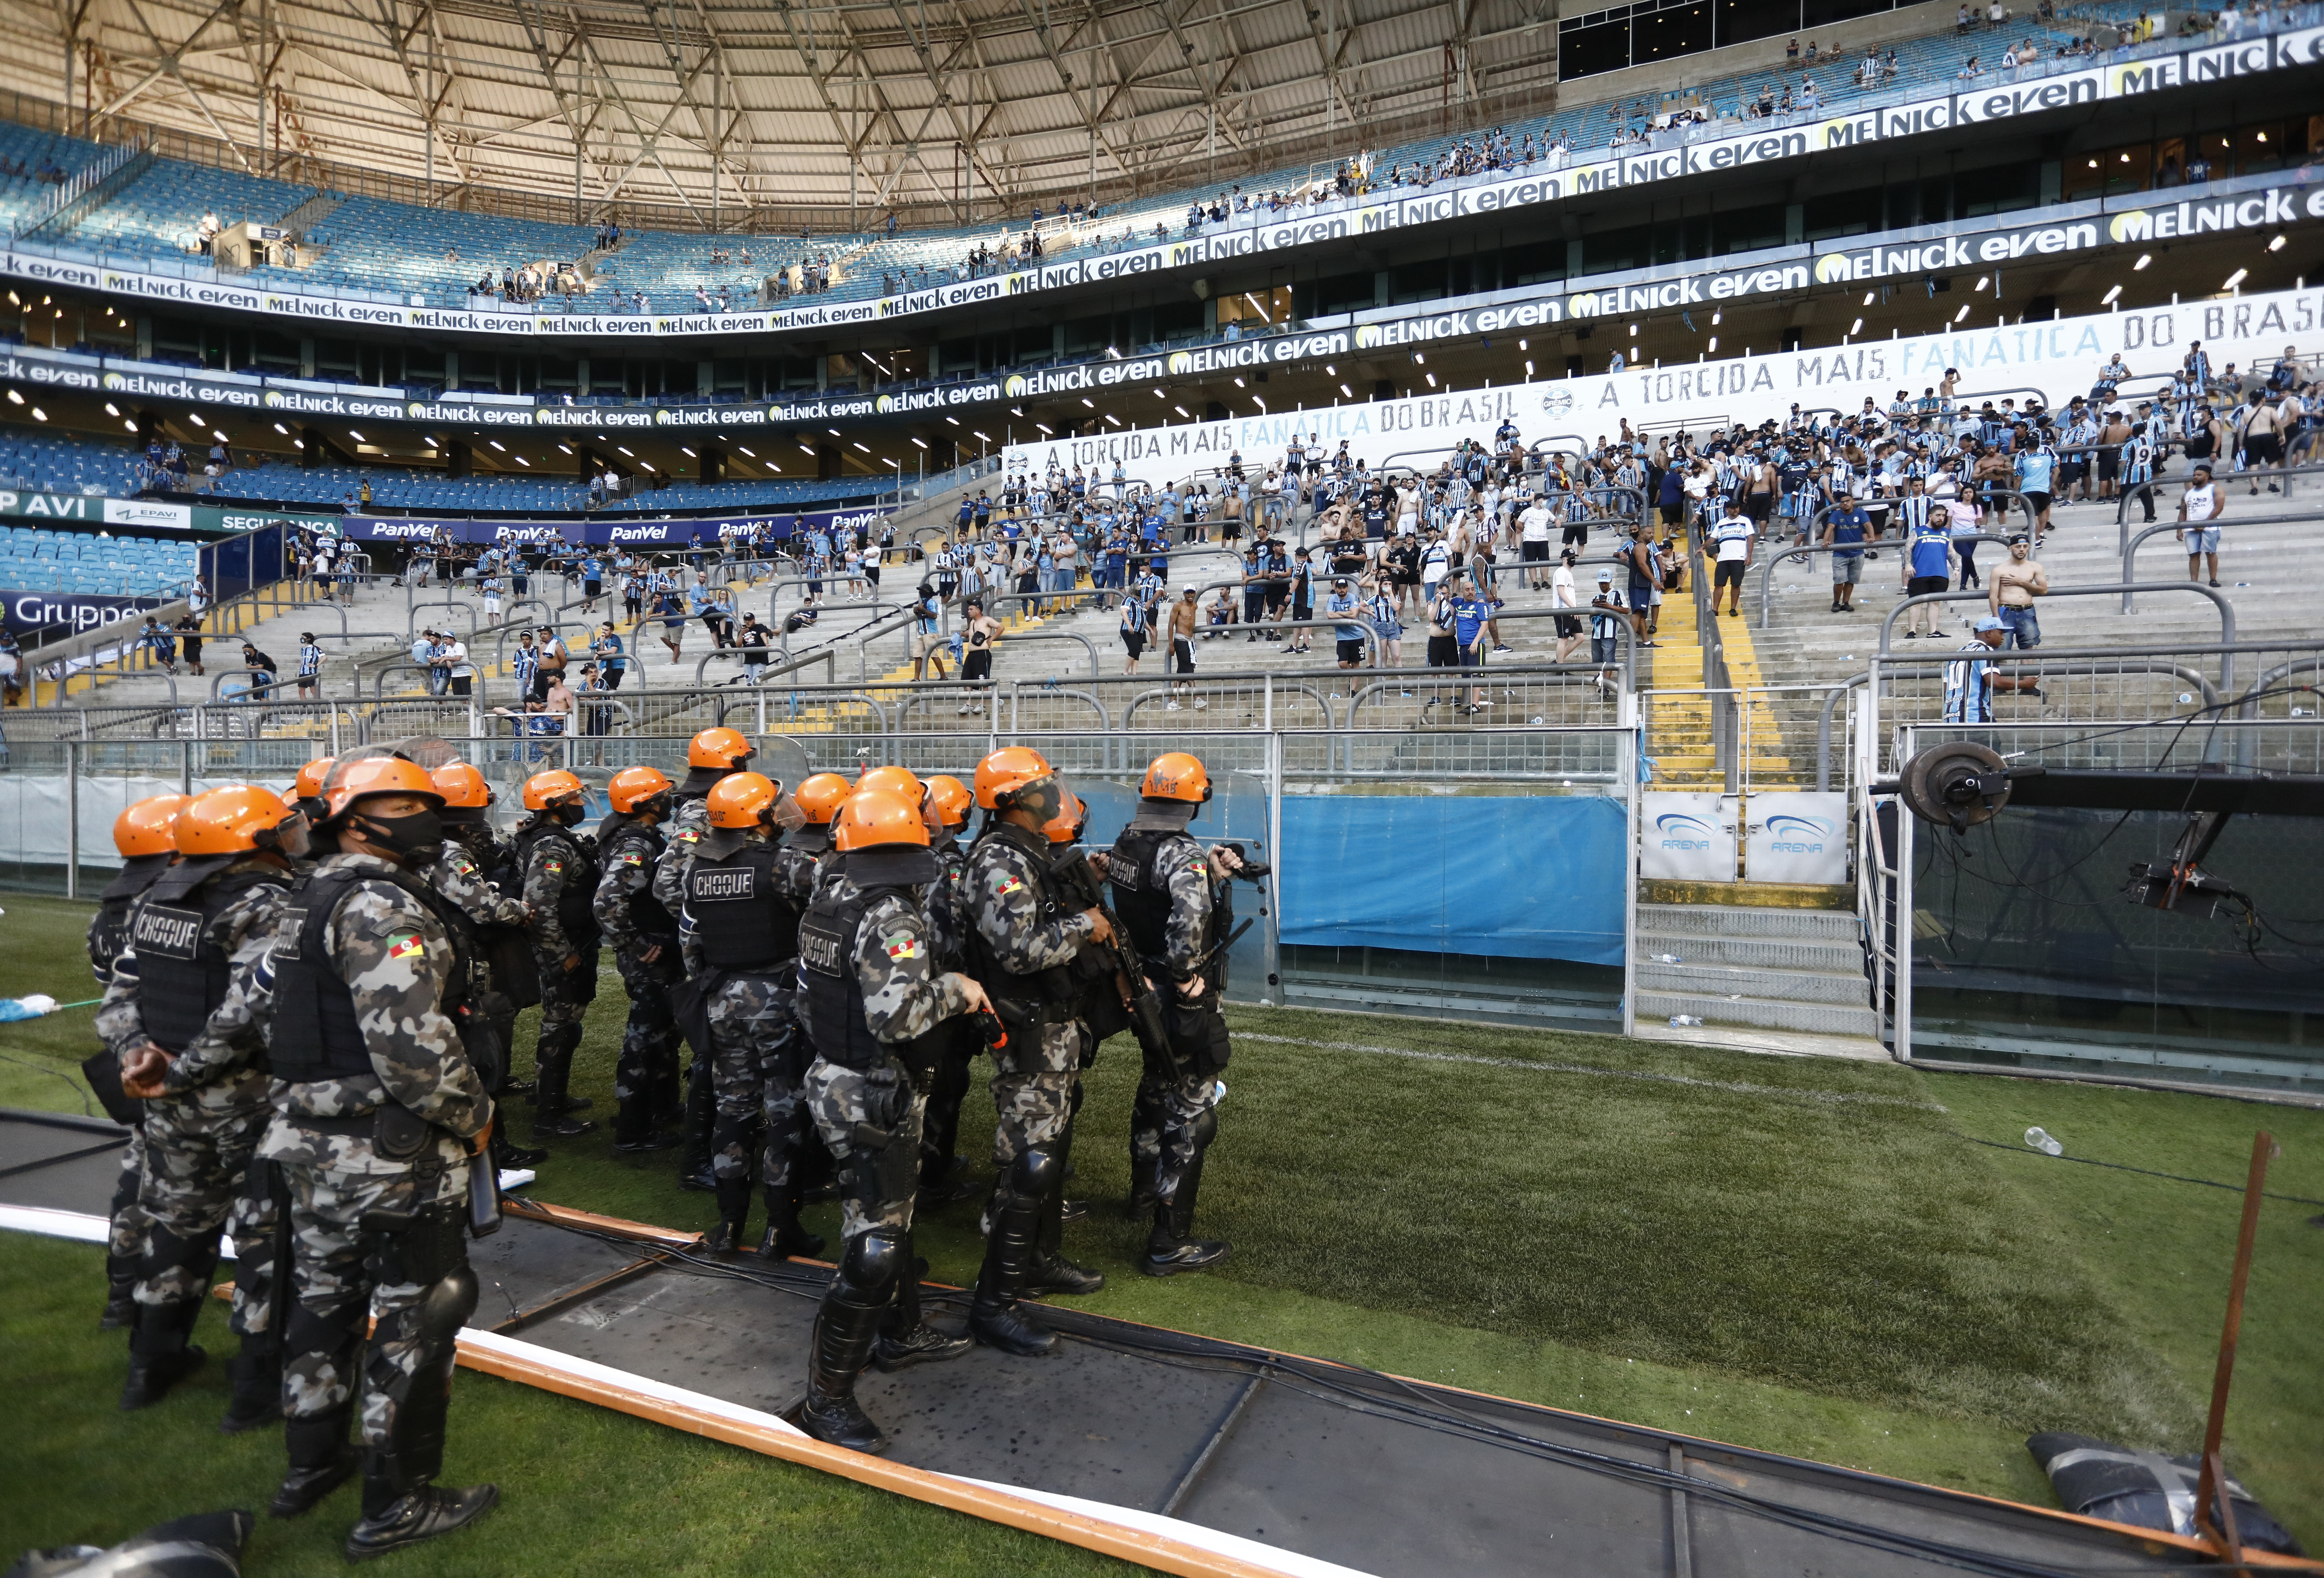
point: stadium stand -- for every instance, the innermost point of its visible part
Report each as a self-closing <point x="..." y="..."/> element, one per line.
<point x="367" y="245"/>
<point x="41" y="559"/>
<point x="56" y="464"/>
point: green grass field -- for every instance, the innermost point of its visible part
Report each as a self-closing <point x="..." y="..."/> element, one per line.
<point x="1800" y="1255"/>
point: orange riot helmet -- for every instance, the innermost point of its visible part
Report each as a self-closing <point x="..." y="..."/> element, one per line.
<point x="876" y="818"/>
<point x="553" y="791"/>
<point x="349" y="781"/>
<point x="949" y="800"/>
<point x="633" y="790"/>
<point x="150" y="826"/>
<point x="237" y="819"/>
<point x="820" y="797"/>
<point x="720" y="749"/>
<point x="741" y="800"/>
<point x="1175" y="775"/>
<point x="1000" y="776"/>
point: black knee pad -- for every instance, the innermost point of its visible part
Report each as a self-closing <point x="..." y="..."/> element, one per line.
<point x="1036" y="1173"/>
<point x="875" y="1260"/>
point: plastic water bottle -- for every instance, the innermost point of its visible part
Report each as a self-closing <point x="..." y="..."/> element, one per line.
<point x="1679" y="1021"/>
<point x="2040" y="1139"/>
<point x="1666" y="958"/>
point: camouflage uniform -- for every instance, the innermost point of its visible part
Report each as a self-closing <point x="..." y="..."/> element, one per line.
<point x="949" y="922"/>
<point x="687" y="824"/>
<point x="874" y="1003"/>
<point x="461" y="880"/>
<point x="1174" y="908"/>
<point x="200" y="1137"/>
<point x="374" y="1107"/>
<point x="635" y="921"/>
<point x="738" y="936"/>
<point x="108" y="934"/>
<point x="560" y="885"/>
<point x="1023" y="942"/>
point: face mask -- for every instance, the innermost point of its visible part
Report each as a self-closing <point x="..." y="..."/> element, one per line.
<point x="413" y="840"/>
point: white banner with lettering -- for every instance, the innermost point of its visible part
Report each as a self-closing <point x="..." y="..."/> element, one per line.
<point x="2056" y="360"/>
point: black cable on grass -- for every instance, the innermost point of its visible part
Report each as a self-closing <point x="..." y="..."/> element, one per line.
<point x="1321" y="1380"/>
<point x="79" y="1091"/>
<point x="2090" y="1161"/>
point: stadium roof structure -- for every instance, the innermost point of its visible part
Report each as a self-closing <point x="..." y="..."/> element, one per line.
<point x="719" y="115"/>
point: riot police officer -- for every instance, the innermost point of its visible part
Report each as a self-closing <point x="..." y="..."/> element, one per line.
<point x="145" y="834"/>
<point x="1023" y="948"/>
<point x="739" y="932"/>
<point x="504" y="976"/>
<point x="204" y="1095"/>
<point x="943" y="1171"/>
<point x="805" y="849"/>
<point x="710" y="755"/>
<point x="874" y="1004"/>
<point x="1168" y="892"/>
<point x="377" y="1110"/>
<point x="559" y="883"/>
<point x="644" y="935"/>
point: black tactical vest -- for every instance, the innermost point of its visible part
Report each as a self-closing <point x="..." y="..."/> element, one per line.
<point x="182" y="971"/>
<point x="655" y="923"/>
<point x="744" y="919"/>
<point x="835" y="993"/>
<point x="574" y="913"/>
<point x="1044" y="993"/>
<point x="108" y="929"/>
<point x="1140" y="897"/>
<point x="317" y="1035"/>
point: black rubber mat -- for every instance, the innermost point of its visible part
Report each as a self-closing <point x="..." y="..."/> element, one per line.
<point x="1378" y="1474"/>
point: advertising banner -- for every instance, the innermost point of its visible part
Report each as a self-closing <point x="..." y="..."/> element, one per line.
<point x="2057" y="359"/>
<point x="1686" y="837"/>
<point x="75" y="612"/>
<point x="1796" y="838"/>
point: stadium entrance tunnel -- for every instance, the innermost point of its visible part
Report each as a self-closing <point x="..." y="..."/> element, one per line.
<point x="1181" y="1452"/>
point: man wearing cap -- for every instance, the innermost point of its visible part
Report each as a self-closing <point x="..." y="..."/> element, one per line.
<point x="2011" y="591"/>
<point x="1970" y="681"/>
<point x="1348" y="635"/>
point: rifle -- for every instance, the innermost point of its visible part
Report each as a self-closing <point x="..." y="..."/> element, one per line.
<point x="1141" y="1005"/>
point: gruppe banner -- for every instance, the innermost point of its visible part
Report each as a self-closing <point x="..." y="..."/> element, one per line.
<point x="2054" y="360"/>
<point x="604" y="531"/>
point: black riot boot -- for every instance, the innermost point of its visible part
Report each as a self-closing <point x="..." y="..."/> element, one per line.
<point x="120" y="1294"/>
<point x="845" y="1327"/>
<point x="553" y="1105"/>
<point x="1049" y="1271"/>
<point x="321" y="1461"/>
<point x="905" y="1338"/>
<point x="694" y="1171"/>
<point x="1173" y="1248"/>
<point x="785" y="1236"/>
<point x="733" y="1216"/>
<point x="159" y="1357"/>
<point x="256" y="1372"/>
<point x="401" y="1504"/>
<point x="995" y="1318"/>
